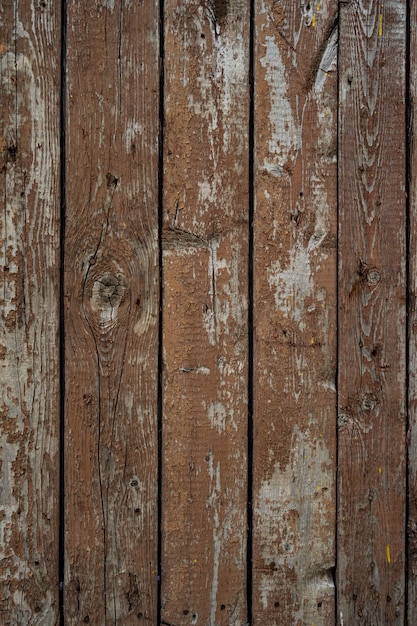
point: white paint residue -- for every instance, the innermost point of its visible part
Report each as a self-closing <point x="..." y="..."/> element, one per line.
<point x="217" y="415"/>
<point x="328" y="62"/>
<point x="213" y="504"/>
<point x="284" y="132"/>
<point x="291" y="514"/>
<point x="293" y="283"/>
<point x="226" y="299"/>
<point x="108" y="4"/>
<point x="133" y="129"/>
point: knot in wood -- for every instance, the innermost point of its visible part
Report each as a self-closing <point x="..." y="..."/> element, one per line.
<point x="108" y="292"/>
<point x="373" y="276"/>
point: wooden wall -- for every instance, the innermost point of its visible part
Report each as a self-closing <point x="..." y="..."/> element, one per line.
<point x="208" y="344"/>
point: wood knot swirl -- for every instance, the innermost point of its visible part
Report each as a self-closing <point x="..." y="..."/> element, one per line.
<point x="105" y="293"/>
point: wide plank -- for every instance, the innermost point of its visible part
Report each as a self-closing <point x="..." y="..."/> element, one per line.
<point x="372" y="316"/>
<point x="29" y="311"/>
<point x="205" y="309"/>
<point x="294" y="298"/>
<point x="111" y="312"/>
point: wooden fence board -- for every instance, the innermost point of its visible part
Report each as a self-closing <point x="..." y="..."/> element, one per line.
<point x="372" y="291"/>
<point x="111" y="312"/>
<point x="29" y="312"/>
<point x="412" y="325"/>
<point x="294" y="313"/>
<point x="205" y="334"/>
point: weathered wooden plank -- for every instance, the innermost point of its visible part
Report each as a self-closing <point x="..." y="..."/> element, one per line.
<point x="372" y="253"/>
<point x="29" y="311"/>
<point x="205" y="334"/>
<point x="111" y="312"/>
<point x="412" y="364"/>
<point x="294" y="312"/>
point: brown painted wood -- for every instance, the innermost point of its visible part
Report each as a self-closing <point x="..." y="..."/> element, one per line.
<point x="372" y="290"/>
<point x="205" y="334"/>
<point x="29" y="311"/>
<point x="412" y="283"/>
<point x="111" y="312"/>
<point x="294" y="312"/>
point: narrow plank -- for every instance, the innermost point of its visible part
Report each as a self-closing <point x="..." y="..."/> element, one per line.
<point x="294" y="312"/>
<point x="205" y="286"/>
<point x="29" y="311"/>
<point x="372" y="291"/>
<point x="111" y="312"/>
<point x="412" y="325"/>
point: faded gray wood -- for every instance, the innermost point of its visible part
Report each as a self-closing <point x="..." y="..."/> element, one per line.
<point x="29" y="311"/>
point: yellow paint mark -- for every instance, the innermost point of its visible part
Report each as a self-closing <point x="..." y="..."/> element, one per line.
<point x="312" y="340"/>
<point x="195" y="561"/>
<point x="388" y="550"/>
<point x="380" y="25"/>
<point x="318" y="6"/>
<point x="327" y="111"/>
<point x="313" y="21"/>
<point x="319" y="488"/>
<point x="379" y="470"/>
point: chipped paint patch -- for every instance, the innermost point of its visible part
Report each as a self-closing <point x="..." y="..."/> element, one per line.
<point x="291" y="522"/>
<point x="293" y="283"/>
<point x="283" y="130"/>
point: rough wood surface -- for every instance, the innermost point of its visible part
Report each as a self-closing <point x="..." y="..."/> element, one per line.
<point x="29" y="292"/>
<point x="412" y="325"/>
<point x="111" y="312"/>
<point x="372" y="290"/>
<point x="205" y="336"/>
<point x="294" y="312"/>
<point x="412" y="405"/>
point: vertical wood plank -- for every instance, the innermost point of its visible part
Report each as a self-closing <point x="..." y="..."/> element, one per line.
<point x="29" y="311"/>
<point x="294" y="312"/>
<point x="412" y="364"/>
<point x="111" y="312"/>
<point x="372" y="290"/>
<point x="205" y="283"/>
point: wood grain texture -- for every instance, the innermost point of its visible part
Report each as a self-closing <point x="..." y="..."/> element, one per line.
<point x="294" y="313"/>
<point x="372" y="290"/>
<point x="29" y="312"/>
<point x="111" y="312"/>
<point x="412" y="326"/>
<point x="205" y="336"/>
